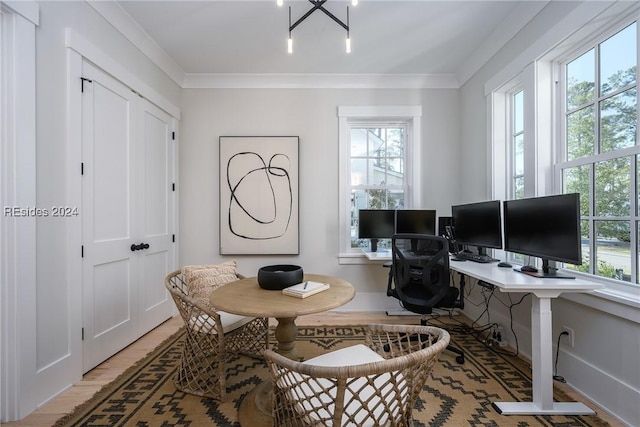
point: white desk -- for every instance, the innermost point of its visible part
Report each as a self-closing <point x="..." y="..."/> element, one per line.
<point x="381" y="255"/>
<point x="543" y="291"/>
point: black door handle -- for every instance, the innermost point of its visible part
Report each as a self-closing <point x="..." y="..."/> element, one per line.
<point x="139" y="247"/>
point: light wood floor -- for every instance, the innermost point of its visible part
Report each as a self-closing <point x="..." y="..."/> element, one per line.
<point x="106" y="372"/>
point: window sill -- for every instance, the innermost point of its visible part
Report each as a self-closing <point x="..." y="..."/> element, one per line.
<point x="615" y="298"/>
<point x="357" y="258"/>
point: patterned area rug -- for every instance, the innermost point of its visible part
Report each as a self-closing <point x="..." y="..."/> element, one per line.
<point x="455" y="395"/>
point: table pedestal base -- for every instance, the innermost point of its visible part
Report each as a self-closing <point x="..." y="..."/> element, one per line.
<point x="530" y="408"/>
<point x="255" y="408"/>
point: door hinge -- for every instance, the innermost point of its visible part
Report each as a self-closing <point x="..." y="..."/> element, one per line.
<point x="173" y="186"/>
<point x="173" y="136"/>
<point x="173" y="238"/>
<point x="82" y="334"/>
<point x="82" y="80"/>
<point x="82" y="251"/>
<point x="82" y="168"/>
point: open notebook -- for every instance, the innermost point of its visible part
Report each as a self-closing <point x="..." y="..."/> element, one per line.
<point x="305" y="289"/>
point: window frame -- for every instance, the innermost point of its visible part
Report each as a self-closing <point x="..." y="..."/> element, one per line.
<point x="538" y="70"/>
<point x="387" y="115"/>
<point x="513" y="134"/>
<point x="590" y="161"/>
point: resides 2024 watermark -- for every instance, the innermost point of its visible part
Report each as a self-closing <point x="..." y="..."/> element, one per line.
<point x="29" y="212"/>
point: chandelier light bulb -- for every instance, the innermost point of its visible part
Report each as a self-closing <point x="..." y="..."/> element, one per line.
<point x="348" y="45"/>
<point x="353" y="2"/>
<point x="290" y="45"/>
<point x="280" y="2"/>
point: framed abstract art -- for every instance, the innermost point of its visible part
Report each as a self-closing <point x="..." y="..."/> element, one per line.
<point x="259" y="195"/>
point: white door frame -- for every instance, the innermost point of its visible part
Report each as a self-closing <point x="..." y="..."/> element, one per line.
<point x="18" y="23"/>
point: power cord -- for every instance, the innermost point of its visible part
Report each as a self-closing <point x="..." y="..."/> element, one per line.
<point x="555" y="369"/>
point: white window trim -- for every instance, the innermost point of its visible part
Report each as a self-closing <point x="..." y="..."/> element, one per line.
<point x="538" y="78"/>
<point x="348" y="114"/>
<point x="624" y="294"/>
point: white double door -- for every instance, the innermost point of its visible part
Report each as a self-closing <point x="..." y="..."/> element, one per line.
<point x="128" y="209"/>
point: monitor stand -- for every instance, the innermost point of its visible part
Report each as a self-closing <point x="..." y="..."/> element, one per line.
<point x="547" y="272"/>
<point x="374" y="245"/>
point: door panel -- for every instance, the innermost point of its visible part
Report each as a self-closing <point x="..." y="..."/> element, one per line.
<point x="156" y="216"/>
<point x="111" y="160"/>
<point x="109" y="266"/>
<point x="157" y="179"/>
<point x="154" y="266"/>
<point x="112" y="286"/>
<point x="128" y="199"/>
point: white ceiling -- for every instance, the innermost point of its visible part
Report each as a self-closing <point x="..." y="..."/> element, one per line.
<point x="388" y="37"/>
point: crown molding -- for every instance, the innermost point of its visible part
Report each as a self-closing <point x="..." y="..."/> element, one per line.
<point x="113" y="13"/>
<point x="27" y="9"/>
<point x="511" y="26"/>
<point x="320" y="81"/>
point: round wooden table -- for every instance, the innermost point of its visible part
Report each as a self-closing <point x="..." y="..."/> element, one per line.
<point x="245" y="297"/>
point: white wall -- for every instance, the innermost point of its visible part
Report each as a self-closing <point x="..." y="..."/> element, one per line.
<point x="54" y="317"/>
<point x="604" y="362"/>
<point x="312" y="115"/>
<point x="454" y="159"/>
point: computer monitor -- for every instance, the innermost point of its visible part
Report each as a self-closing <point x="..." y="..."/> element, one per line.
<point x="546" y="227"/>
<point x="478" y="224"/>
<point x="376" y="224"/>
<point x="416" y="221"/>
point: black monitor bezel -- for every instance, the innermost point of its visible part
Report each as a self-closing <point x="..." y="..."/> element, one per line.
<point x="424" y="214"/>
<point x="551" y="205"/>
<point x="495" y="210"/>
<point x="380" y="233"/>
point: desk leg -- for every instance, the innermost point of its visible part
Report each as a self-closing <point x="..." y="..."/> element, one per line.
<point x="286" y="334"/>
<point x="542" y="370"/>
<point x="255" y="409"/>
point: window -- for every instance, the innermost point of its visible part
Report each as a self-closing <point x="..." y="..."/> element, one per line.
<point x="517" y="144"/>
<point x="379" y="158"/>
<point x="377" y="172"/>
<point x="600" y="156"/>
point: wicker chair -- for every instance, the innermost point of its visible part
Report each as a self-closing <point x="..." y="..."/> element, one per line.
<point x="211" y="338"/>
<point x="363" y="385"/>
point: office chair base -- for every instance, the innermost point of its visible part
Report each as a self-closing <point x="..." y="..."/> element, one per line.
<point x="460" y="353"/>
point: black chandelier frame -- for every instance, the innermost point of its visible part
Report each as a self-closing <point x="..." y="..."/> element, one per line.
<point x="318" y="5"/>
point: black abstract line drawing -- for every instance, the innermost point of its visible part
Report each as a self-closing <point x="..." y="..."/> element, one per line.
<point x="258" y="195"/>
<point x="270" y="218"/>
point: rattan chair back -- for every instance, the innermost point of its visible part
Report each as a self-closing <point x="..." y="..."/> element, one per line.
<point x="379" y="393"/>
<point x="211" y="338"/>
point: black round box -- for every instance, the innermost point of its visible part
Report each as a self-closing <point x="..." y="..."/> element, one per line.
<point x="278" y="277"/>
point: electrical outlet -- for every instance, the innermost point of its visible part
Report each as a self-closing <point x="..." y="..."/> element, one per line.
<point x="500" y="338"/>
<point x="569" y="337"/>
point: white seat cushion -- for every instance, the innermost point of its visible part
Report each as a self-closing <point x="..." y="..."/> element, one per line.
<point x="230" y="322"/>
<point x="349" y="356"/>
<point x="305" y="394"/>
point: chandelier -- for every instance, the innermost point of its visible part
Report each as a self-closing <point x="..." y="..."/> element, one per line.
<point x="318" y="5"/>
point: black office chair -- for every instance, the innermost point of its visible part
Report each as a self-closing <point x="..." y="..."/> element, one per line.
<point x="420" y="277"/>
